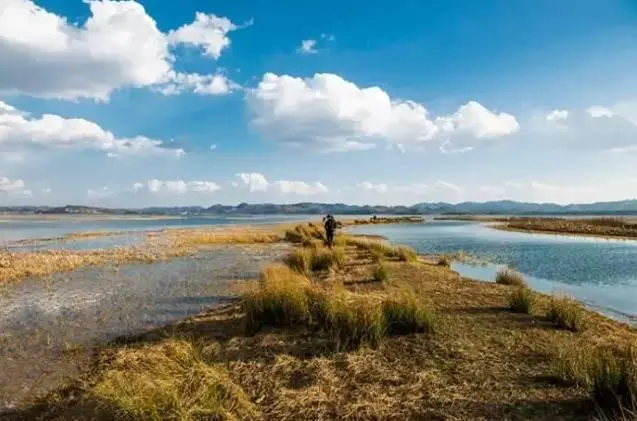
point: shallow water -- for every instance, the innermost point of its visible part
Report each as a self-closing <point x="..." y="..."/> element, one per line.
<point x="600" y="272"/>
<point x="39" y="318"/>
<point x="15" y="229"/>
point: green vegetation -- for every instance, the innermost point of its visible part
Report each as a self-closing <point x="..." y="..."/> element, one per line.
<point x="521" y="300"/>
<point x="510" y="277"/>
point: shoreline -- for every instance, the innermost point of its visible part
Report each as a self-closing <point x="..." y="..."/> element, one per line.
<point x="292" y="372"/>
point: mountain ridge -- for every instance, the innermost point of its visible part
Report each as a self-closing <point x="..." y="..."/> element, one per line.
<point x="499" y="207"/>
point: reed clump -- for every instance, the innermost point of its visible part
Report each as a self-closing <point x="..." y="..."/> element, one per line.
<point x="566" y="313"/>
<point x="521" y="301"/>
<point x="510" y="277"/>
<point x="170" y="382"/>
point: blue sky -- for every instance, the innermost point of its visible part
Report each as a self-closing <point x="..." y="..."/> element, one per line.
<point x="123" y="103"/>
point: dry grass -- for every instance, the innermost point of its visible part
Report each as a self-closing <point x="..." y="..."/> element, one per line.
<point x="444" y="261"/>
<point x="614" y="379"/>
<point x="306" y="260"/>
<point x="510" y="277"/>
<point x="380" y="274"/>
<point x="279" y="300"/>
<point x="604" y="227"/>
<point x="407" y="313"/>
<point x="332" y="352"/>
<point x="567" y="313"/>
<point x="205" y="237"/>
<point x="521" y="301"/>
<point x="171" y="382"/>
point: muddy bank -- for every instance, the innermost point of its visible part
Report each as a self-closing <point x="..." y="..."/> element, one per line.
<point x="48" y="327"/>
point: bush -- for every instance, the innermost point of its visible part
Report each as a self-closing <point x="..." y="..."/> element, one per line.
<point x="380" y="274"/>
<point x="510" y="277"/>
<point x="444" y="261"/>
<point x="170" y="382"/>
<point x="406" y="314"/>
<point x="614" y="380"/>
<point x="521" y="301"/>
<point x="404" y="254"/>
<point x="353" y="320"/>
<point x="300" y="260"/>
<point x="566" y="313"/>
<point x="280" y="300"/>
<point x="302" y="233"/>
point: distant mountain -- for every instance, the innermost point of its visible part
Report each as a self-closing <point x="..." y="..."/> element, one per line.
<point x="502" y="207"/>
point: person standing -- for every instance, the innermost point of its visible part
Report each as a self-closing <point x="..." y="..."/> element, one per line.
<point x="330" y="226"/>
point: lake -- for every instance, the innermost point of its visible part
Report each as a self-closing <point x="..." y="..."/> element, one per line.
<point x="602" y="273"/>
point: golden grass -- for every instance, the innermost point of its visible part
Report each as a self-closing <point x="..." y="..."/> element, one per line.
<point x="521" y="301"/>
<point x="405" y="313"/>
<point x="604" y="227"/>
<point x="279" y="300"/>
<point x="566" y="313"/>
<point x="306" y="260"/>
<point x="240" y="235"/>
<point x="171" y="382"/>
<point x="353" y="319"/>
<point x="380" y="273"/>
<point x="444" y="261"/>
<point x="336" y="350"/>
<point x="510" y="277"/>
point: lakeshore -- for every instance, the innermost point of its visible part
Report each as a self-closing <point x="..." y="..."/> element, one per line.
<point x="367" y="331"/>
<point x="602" y="227"/>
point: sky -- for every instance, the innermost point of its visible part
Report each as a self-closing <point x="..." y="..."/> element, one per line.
<point x="196" y="102"/>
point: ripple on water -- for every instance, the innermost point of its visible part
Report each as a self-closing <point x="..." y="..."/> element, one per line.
<point x="38" y="319"/>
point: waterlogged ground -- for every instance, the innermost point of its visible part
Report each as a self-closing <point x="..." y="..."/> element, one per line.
<point x="47" y="327"/>
<point x="600" y="272"/>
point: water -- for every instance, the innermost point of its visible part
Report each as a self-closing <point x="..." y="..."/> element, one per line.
<point x="28" y="228"/>
<point x="40" y="319"/>
<point x="600" y="272"/>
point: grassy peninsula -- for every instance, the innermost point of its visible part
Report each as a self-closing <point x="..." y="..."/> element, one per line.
<point x="364" y="331"/>
<point x="615" y="227"/>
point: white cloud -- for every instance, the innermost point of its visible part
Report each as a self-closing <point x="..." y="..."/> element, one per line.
<point x="257" y="182"/>
<point x="557" y="115"/>
<point x="254" y="181"/>
<point x="308" y="46"/>
<point x="209" y="32"/>
<point x="47" y="190"/>
<point x="216" y="84"/>
<point x="101" y="193"/>
<point x="299" y="187"/>
<point x="19" y="131"/>
<point x="595" y="128"/>
<point x="379" y="188"/>
<point x="328" y="113"/>
<point x="213" y="147"/>
<point x="119" y="45"/>
<point x="8" y="185"/>
<point x="178" y="186"/>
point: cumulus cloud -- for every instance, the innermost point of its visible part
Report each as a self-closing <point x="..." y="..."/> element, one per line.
<point x="329" y="113"/>
<point x="254" y="181"/>
<point x="178" y="186"/>
<point x="299" y="187"/>
<point x="20" y="131"/>
<point x="308" y="46"/>
<point x="378" y="188"/>
<point x="119" y="45"/>
<point x="257" y="182"/>
<point x="594" y="128"/>
<point x="8" y="185"/>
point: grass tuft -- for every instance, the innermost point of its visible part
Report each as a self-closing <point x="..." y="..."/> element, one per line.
<point x="521" y="301"/>
<point x="614" y="379"/>
<point x="170" y="382"/>
<point x="566" y="313"/>
<point x="405" y="313"/>
<point x="510" y="277"/>
<point x="404" y="254"/>
<point x="300" y="260"/>
<point x="380" y="274"/>
<point x="306" y="260"/>
<point x="444" y="261"/>
<point x="280" y="299"/>
<point x="353" y="320"/>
